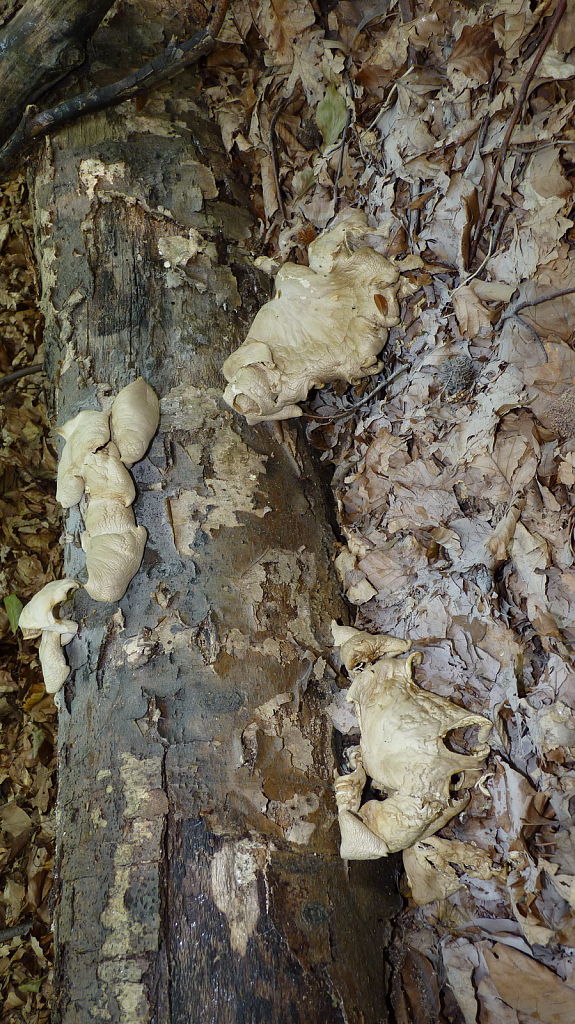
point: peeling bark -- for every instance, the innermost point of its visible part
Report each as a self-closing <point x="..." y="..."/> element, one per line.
<point x="198" y="876"/>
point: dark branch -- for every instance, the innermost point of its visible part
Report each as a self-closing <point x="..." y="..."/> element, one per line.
<point x="24" y="371"/>
<point x="174" y="59"/>
<point x="553" y="23"/>
<point x="41" y="44"/>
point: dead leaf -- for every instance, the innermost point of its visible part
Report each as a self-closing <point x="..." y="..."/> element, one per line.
<point x="528" y="986"/>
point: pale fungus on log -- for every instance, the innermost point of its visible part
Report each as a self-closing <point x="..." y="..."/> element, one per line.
<point x="113" y="557"/>
<point x="84" y="435"/>
<point x="94" y="465"/>
<point x="402" y="749"/>
<point x="38" y="619"/>
<point x="135" y="418"/>
<point x="326" y="322"/>
<point x="91" y="464"/>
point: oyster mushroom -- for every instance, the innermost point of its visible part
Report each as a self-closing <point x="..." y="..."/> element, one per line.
<point x="402" y="749"/>
<point x="326" y="322"/>
<point x="37" y="618"/>
<point x="84" y="434"/>
<point x="135" y="419"/>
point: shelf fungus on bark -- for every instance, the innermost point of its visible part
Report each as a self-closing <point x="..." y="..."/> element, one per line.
<point x="38" y="619"/>
<point x="95" y="465"/>
<point x="326" y="322"/>
<point x="84" y="434"/>
<point x="135" y="419"/>
<point x="402" y="749"/>
<point x="114" y="548"/>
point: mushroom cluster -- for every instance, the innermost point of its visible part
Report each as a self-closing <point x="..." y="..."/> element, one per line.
<point x="402" y="749"/>
<point x="326" y="322"/>
<point x="99" y="447"/>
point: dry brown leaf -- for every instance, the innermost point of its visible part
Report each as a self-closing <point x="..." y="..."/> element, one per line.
<point x="430" y="867"/>
<point x="473" y="317"/>
<point x="448" y="231"/>
<point x="528" y="986"/>
<point x="471" y="61"/>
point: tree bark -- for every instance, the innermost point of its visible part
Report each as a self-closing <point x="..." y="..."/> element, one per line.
<point x="41" y="44"/>
<point x="198" y="876"/>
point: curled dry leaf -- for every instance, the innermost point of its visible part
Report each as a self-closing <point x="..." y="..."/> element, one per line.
<point x="471" y="61"/>
<point x="429" y="865"/>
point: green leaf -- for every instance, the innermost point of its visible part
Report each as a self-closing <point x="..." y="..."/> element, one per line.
<point x="31" y="986"/>
<point x="331" y="115"/>
<point x="13" y="606"/>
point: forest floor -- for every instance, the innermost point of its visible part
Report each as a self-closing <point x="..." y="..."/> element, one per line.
<point x="454" y="483"/>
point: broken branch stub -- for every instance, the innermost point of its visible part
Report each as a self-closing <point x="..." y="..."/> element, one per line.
<point x="326" y="322"/>
<point x="402" y="750"/>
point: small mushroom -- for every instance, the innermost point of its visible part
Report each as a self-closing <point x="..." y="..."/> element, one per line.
<point x="54" y="666"/>
<point x="38" y="618"/>
<point x="84" y="434"/>
<point x="38" y="614"/>
<point x="135" y="419"/>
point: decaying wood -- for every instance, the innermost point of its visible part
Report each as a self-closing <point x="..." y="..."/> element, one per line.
<point x="38" y="46"/>
<point x="165" y="66"/>
<point x="198" y="876"/>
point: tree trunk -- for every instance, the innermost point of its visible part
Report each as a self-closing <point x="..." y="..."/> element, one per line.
<point x="198" y="876"/>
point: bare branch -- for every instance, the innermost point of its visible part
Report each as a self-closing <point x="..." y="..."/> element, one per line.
<point x="553" y="23"/>
<point x="39" y="46"/>
<point x="171" y="62"/>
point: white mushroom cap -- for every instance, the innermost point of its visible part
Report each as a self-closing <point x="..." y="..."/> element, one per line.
<point x="105" y="476"/>
<point x="112" y="560"/>
<point x="135" y="419"/>
<point x="38" y="615"/>
<point x="84" y="434"/>
<point x="54" y="667"/>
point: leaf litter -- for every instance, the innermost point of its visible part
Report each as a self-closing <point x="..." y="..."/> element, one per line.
<point x="30" y="526"/>
<point x="453" y="484"/>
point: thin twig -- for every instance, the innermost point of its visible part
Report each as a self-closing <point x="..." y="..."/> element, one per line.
<point x="534" y="147"/>
<point x="475" y="273"/>
<point x="528" y="303"/>
<point x="338" y="173"/>
<point x="366" y="398"/>
<point x="165" y="66"/>
<point x="273" y="148"/>
<point x="15" y="931"/>
<point x="553" y="23"/>
<point x="22" y="372"/>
